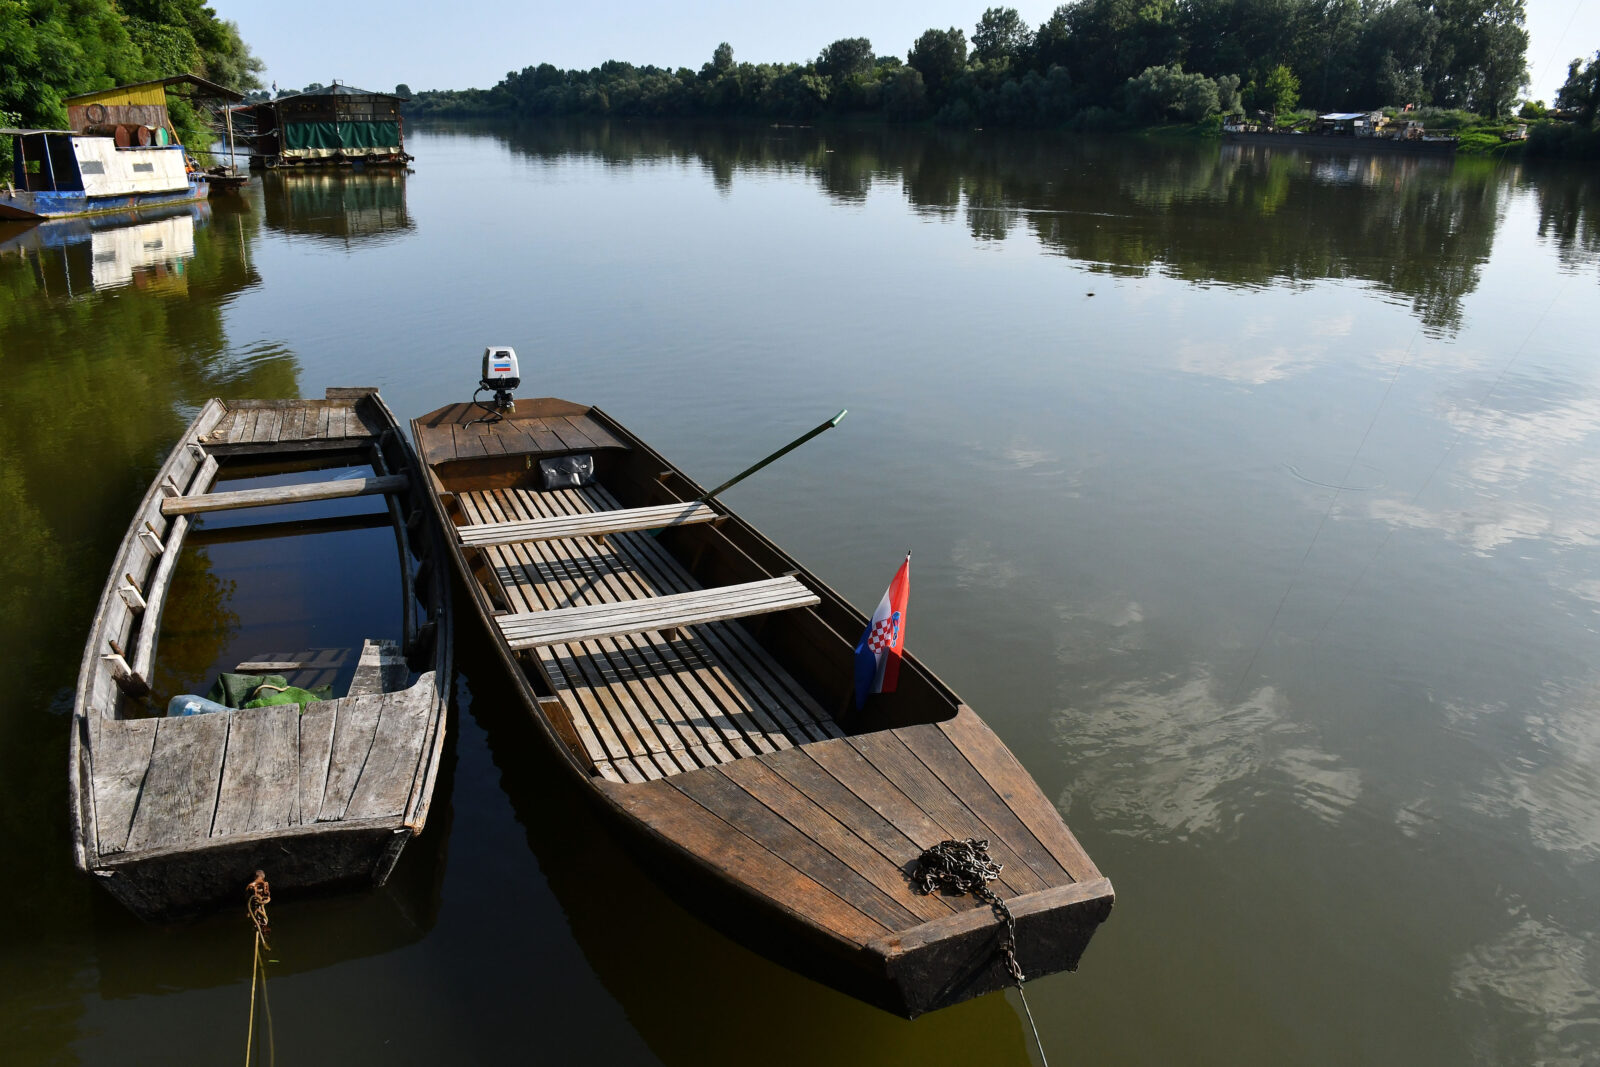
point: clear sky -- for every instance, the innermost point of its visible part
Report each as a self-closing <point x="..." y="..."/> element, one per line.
<point x="473" y="43"/>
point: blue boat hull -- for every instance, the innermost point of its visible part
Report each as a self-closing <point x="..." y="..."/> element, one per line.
<point x="48" y="205"/>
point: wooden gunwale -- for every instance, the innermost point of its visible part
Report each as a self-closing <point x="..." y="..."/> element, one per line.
<point x="197" y="795"/>
<point x="810" y="840"/>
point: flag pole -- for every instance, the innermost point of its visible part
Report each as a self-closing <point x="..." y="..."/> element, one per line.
<point x="779" y="454"/>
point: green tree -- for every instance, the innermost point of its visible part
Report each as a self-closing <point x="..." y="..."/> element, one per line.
<point x="722" y="58"/>
<point x="402" y="89"/>
<point x="1282" y="90"/>
<point x="1581" y="92"/>
<point x="1001" y="34"/>
<point x="940" y="56"/>
<point x="1166" y="92"/>
<point x="846" y="58"/>
<point x="1480" y="61"/>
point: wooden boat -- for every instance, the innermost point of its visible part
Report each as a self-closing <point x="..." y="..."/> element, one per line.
<point x="175" y="814"/>
<point x="684" y="667"/>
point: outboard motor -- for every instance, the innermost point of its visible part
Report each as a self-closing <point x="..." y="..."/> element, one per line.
<point x="500" y="374"/>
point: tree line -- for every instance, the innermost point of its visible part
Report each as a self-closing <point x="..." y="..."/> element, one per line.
<point x="1092" y="62"/>
<point x="51" y="49"/>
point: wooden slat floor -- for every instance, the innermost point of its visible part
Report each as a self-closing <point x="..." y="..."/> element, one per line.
<point x="833" y="830"/>
<point x="648" y="705"/>
<point x="170" y="782"/>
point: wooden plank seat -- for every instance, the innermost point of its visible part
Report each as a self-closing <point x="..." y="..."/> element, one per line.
<point x="283" y="494"/>
<point x="647" y="704"/>
<point x="595" y="524"/>
<point x="589" y="621"/>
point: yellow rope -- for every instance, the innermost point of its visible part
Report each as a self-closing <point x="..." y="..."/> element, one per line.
<point x="260" y="895"/>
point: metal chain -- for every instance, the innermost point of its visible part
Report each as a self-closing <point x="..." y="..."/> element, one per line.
<point x="966" y="867"/>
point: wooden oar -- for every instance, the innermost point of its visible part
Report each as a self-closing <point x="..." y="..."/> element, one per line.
<point x="779" y="454"/>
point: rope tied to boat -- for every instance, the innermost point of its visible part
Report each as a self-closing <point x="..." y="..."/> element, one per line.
<point x="962" y="867"/>
<point x="258" y="894"/>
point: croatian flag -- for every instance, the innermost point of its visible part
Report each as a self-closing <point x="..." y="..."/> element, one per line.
<point x="884" y="640"/>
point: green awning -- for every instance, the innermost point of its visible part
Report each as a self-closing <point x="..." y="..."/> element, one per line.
<point x="350" y="136"/>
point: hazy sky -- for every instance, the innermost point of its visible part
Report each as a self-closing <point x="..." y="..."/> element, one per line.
<point x="473" y="43"/>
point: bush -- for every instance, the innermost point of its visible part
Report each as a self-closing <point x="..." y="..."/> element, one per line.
<point x="1167" y="92"/>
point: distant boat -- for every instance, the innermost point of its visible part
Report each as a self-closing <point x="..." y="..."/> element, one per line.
<point x="174" y="814"/>
<point x="729" y="752"/>
<point x="121" y="153"/>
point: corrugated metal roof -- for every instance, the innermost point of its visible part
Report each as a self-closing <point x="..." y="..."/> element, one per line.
<point x="208" y="88"/>
<point x="1343" y="116"/>
<point x="337" y="89"/>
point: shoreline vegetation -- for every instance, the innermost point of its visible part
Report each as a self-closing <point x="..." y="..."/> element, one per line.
<point x="52" y="49"/>
<point x="1105" y="65"/>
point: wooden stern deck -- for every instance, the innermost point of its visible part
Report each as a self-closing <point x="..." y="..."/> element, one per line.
<point x="335" y="423"/>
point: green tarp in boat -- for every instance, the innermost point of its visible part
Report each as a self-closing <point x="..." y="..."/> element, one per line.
<point x="262" y="690"/>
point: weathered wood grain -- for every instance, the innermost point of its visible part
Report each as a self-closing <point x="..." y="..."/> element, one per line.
<point x="120" y="751"/>
<point x="180" y="787"/>
<point x="315" y="756"/>
<point x="896" y="762"/>
<point x="392" y="760"/>
<point x="260" y="777"/>
<point x="839" y="839"/>
<point x="283" y="494"/>
<point x="992" y="759"/>
<point x="681" y="820"/>
<point x="940" y="755"/>
<point x="715" y="792"/>
<point x="586" y="525"/>
<point x="381" y="669"/>
<point x="352" y="740"/>
<point x="589" y="621"/>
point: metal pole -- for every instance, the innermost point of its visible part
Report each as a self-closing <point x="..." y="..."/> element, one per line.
<point x="227" y="114"/>
<point x="785" y="450"/>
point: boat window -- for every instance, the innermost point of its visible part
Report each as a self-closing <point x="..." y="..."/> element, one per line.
<point x="149" y="167"/>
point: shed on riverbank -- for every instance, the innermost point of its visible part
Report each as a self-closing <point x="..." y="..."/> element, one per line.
<point x="336" y="126"/>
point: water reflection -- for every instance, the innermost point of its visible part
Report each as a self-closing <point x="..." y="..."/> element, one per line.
<point x="1237" y="215"/>
<point x="95" y="385"/>
<point x="145" y="249"/>
<point x="351" y="206"/>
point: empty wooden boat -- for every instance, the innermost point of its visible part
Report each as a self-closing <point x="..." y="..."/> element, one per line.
<point x="696" y="679"/>
<point x="174" y="814"/>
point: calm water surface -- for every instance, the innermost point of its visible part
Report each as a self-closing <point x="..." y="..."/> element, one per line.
<point x="1255" y="500"/>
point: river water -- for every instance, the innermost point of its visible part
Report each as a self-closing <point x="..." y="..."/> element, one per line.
<point x="1255" y="502"/>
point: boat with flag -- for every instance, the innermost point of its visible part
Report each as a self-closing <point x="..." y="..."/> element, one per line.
<point x="701" y="685"/>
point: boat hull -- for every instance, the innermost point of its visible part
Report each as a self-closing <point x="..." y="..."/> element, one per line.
<point x="174" y="815"/>
<point x="23" y="205"/>
<point x="804" y="850"/>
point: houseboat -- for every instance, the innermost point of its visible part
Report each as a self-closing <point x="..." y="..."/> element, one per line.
<point x="337" y="126"/>
<point x="120" y="153"/>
